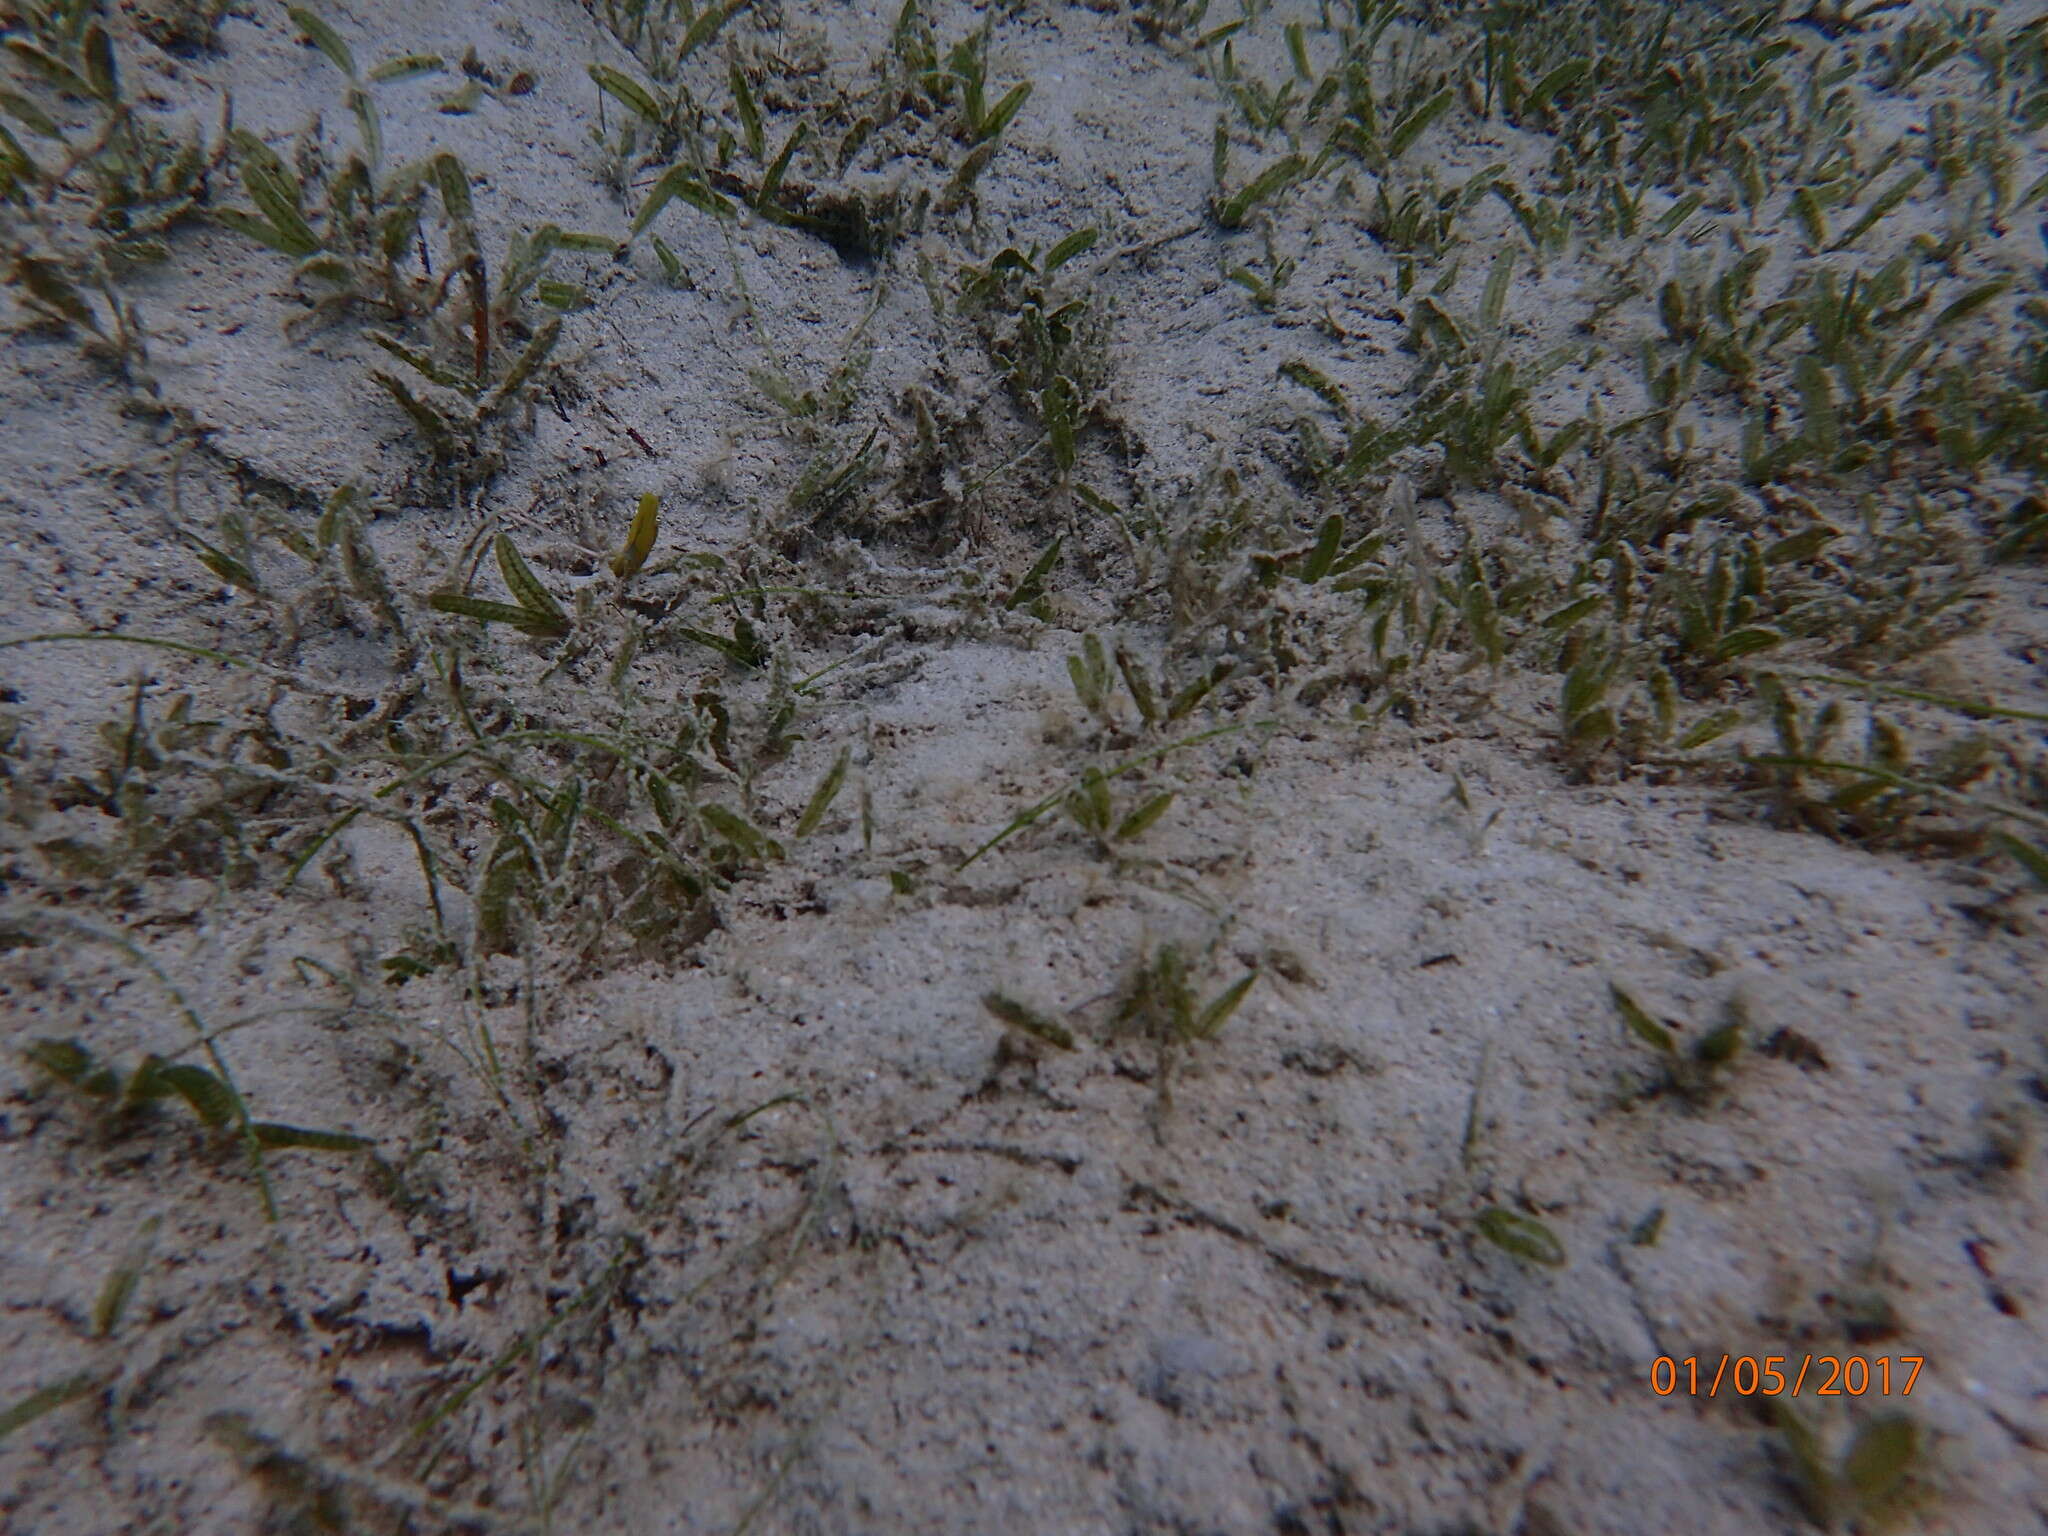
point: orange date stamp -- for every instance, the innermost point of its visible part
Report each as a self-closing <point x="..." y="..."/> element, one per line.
<point x="1786" y="1375"/>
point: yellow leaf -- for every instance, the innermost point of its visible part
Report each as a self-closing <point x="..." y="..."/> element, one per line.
<point x="640" y="538"/>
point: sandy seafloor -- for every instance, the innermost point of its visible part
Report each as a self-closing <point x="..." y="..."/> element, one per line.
<point x="951" y="1279"/>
